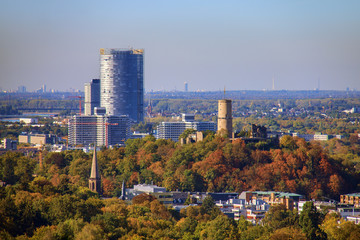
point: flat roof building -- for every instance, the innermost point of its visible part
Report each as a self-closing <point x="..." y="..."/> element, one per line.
<point x="103" y="130"/>
<point x="92" y="96"/>
<point x="40" y="139"/>
<point x="172" y="130"/>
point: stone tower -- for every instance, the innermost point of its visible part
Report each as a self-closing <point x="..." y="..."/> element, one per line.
<point x="225" y="116"/>
<point x="95" y="180"/>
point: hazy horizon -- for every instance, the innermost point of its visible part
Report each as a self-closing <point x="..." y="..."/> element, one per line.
<point x="242" y="45"/>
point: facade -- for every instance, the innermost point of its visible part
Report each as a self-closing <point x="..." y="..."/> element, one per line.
<point x="9" y="144"/>
<point x="352" y="199"/>
<point x="92" y="96"/>
<point x="95" y="179"/>
<point x="225" y="116"/>
<point x="101" y="130"/>
<point x="28" y="120"/>
<point x="21" y="89"/>
<point x="122" y="83"/>
<point x="172" y="130"/>
<point x="38" y="139"/>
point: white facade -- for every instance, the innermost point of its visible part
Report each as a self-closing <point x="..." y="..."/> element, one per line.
<point x="172" y="130"/>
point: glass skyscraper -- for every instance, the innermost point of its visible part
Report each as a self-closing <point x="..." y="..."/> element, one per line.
<point x="122" y="82"/>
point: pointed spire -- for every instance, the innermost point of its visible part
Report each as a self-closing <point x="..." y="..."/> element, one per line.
<point x="123" y="193"/>
<point x="94" y="167"/>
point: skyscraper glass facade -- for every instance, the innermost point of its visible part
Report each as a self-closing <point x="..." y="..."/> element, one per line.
<point x="122" y="83"/>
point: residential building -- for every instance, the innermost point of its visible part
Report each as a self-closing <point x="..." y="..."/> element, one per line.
<point x="290" y="200"/>
<point x="122" y="83"/>
<point x="172" y="130"/>
<point x="92" y="96"/>
<point x="351" y="199"/>
<point x="253" y="210"/>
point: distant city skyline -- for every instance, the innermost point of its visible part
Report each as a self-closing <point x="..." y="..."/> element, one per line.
<point x="240" y="45"/>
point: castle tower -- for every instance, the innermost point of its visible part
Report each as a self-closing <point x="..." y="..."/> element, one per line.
<point x="95" y="180"/>
<point x="225" y="116"/>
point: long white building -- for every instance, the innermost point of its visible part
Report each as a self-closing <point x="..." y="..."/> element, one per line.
<point x="102" y="130"/>
<point x="172" y="130"/>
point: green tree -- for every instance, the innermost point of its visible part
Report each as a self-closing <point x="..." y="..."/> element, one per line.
<point x="309" y="222"/>
<point x="279" y="217"/>
<point x="221" y="228"/>
<point x="90" y="232"/>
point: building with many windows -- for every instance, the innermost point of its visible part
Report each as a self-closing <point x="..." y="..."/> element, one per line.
<point x="172" y="130"/>
<point x="102" y="130"/>
<point x="92" y="96"/>
<point x="122" y="83"/>
<point x="40" y="139"/>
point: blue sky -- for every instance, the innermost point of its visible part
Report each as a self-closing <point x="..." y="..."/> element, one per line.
<point x="209" y="44"/>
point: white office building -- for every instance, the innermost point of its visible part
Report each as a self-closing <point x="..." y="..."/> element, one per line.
<point x="172" y="130"/>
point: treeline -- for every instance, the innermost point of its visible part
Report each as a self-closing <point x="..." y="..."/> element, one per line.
<point x="36" y="216"/>
<point x="336" y="126"/>
<point x="51" y="200"/>
<point x="214" y="165"/>
<point x="330" y="106"/>
<point x="13" y="130"/>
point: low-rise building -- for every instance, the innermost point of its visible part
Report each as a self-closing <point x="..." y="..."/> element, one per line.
<point x="253" y="210"/>
<point x="352" y="199"/>
<point x="354" y="219"/>
<point x="28" y="120"/>
<point x="290" y="200"/>
<point x="9" y="144"/>
<point x="172" y="130"/>
<point x="38" y="139"/>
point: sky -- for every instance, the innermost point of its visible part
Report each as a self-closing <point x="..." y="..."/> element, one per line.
<point x="239" y="45"/>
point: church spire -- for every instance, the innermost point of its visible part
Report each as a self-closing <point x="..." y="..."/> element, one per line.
<point x="94" y="167"/>
<point x="95" y="179"/>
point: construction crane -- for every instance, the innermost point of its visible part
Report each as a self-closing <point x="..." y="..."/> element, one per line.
<point x="106" y="129"/>
<point x="79" y="97"/>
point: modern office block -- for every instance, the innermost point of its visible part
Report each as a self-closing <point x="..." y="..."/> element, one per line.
<point x="122" y="83"/>
<point x="172" y="130"/>
<point x="92" y="96"/>
<point x="40" y="139"/>
<point x="102" y="130"/>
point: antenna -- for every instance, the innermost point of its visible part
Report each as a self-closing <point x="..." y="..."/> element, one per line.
<point x="273" y="82"/>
